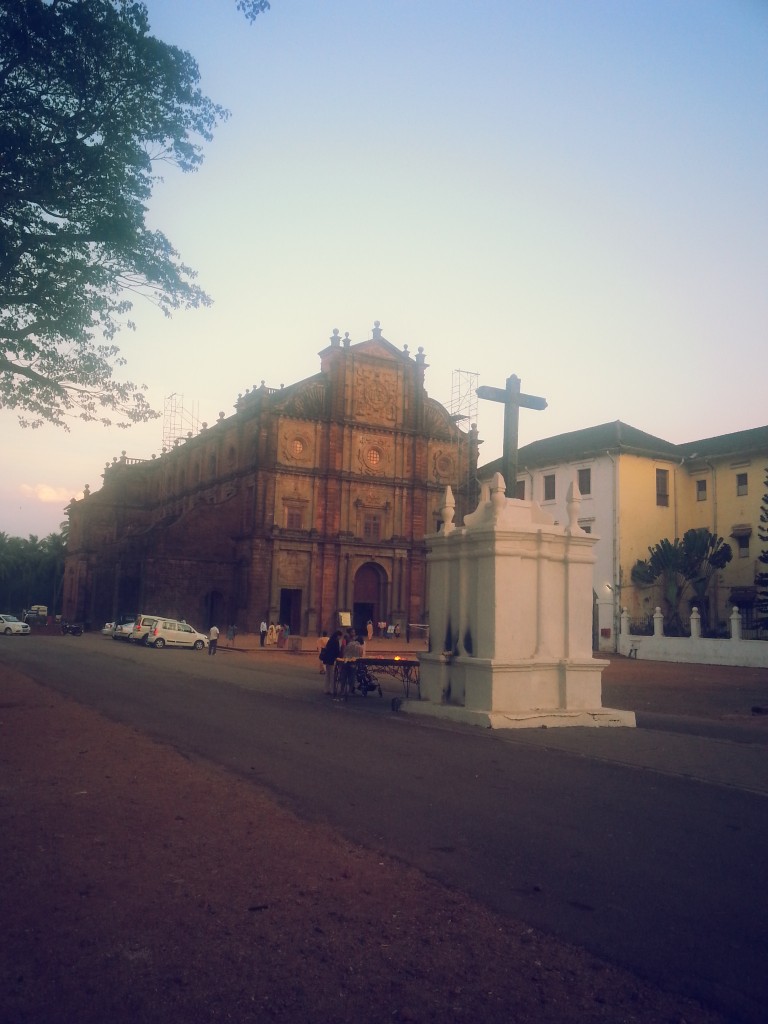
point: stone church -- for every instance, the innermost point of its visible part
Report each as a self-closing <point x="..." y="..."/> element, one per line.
<point x="310" y="501"/>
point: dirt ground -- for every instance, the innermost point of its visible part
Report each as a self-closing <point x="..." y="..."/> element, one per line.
<point x="139" y="886"/>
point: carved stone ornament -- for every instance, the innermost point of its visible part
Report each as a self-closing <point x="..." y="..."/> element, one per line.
<point x="443" y="464"/>
<point x="296" y="447"/>
<point x="375" y="395"/>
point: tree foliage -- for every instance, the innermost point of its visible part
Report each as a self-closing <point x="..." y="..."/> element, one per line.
<point x="683" y="568"/>
<point x="32" y="571"/>
<point x="90" y="105"/>
<point x="252" y="8"/>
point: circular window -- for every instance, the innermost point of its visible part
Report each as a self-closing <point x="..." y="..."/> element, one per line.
<point x="373" y="456"/>
<point x="297" y="447"/>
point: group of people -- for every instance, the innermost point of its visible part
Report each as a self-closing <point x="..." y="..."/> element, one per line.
<point x="339" y="645"/>
<point x="274" y="634"/>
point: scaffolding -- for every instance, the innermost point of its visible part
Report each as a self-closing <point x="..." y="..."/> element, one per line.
<point x="464" y="398"/>
<point x="179" y="421"/>
<point x="463" y="409"/>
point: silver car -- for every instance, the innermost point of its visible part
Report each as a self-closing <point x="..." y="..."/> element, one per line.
<point x="122" y="629"/>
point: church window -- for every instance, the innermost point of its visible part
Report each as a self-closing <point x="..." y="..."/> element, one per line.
<point x="372" y="526"/>
<point x="294" y="520"/>
<point x="297" y="447"/>
<point x="662" y="487"/>
<point x="373" y="456"/>
<point x="549" y="487"/>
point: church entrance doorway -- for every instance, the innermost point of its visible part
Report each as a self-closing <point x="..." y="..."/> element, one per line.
<point x="369" y="602"/>
<point x="215" y="611"/>
<point x="290" y="609"/>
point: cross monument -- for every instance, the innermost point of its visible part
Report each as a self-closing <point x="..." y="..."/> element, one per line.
<point x="513" y="401"/>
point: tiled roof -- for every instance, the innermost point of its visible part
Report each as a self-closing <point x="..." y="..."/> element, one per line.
<point x="742" y="442"/>
<point x="618" y="437"/>
<point x="582" y="444"/>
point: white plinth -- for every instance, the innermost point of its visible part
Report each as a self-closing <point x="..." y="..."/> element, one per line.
<point x="511" y="601"/>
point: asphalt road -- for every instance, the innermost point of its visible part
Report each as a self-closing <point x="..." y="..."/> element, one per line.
<point x="646" y="846"/>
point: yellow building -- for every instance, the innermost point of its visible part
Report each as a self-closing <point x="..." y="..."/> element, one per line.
<point x="638" y="489"/>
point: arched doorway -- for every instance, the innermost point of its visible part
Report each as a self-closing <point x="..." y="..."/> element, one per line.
<point x="215" y="610"/>
<point x="369" y="599"/>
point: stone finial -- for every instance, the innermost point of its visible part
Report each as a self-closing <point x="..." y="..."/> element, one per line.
<point x="376" y="329"/>
<point x="735" y="624"/>
<point x="335" y="340"/>
<point x="498" y="492"/>
<point x="420" y="357"/>
<point x="572" y="506"/>
<point x="448" y="511"/>
<point x="86" y="490"/>
<point x="347" y="339"/>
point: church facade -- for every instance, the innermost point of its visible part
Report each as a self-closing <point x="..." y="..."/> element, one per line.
<point x="308" y="502"/>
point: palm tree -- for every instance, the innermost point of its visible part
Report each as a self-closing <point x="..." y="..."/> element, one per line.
<point x="683" y="566"/>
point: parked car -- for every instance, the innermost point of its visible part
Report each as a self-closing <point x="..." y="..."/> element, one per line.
<point x="122" y="629"/>
<point x="9" y="624"/>
<point x="172" y="633"/>
<point x="142" y="628"/>
<point x="37" y="615"/>
<point x="108" y="628"/>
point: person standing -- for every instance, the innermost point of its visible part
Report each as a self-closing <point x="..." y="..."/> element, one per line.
<point x="263" y="632"/>
<point x="213" y="639"/>
<point x="328" y="656"/>
<point x="321" y="642"/>
<point x="230" y="635"/>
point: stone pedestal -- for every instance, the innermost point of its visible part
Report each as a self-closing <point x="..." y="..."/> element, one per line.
<point x="510" y="611"/>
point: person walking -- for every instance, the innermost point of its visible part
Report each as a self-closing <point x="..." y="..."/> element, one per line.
<point x="328" y="656"/>
<point x="213" y="639"/>
<point x="231" y="635"/>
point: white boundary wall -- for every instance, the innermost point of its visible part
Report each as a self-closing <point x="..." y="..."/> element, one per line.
<point x="693" y="649"/>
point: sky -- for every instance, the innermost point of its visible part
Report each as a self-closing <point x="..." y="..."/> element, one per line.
<point x="573" y="191"/>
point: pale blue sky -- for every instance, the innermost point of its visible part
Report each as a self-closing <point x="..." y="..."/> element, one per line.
<point x="574" y="192"/>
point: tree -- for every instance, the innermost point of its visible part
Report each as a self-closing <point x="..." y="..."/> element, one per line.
<point x="761" y="578"/>
<point x="683" y="567"/>
<point x="90" y="104"/>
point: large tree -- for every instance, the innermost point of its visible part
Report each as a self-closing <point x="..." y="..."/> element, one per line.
<point x="90" y="104"/>
<point x="683" y="568"/>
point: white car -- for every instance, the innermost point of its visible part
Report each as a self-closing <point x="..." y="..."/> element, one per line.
<point x="172" y="633"/>
<point x="122" y="630"/>
<point x="9" y="624"/>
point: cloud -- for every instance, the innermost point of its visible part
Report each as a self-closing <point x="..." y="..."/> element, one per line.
<point x="47" y="494"/>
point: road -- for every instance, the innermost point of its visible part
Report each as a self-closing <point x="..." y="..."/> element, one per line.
<point x="645" y="846"/>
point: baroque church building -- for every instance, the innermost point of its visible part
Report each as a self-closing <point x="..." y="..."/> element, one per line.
<point x="310" y="501"/>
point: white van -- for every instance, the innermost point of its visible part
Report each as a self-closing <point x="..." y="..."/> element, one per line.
<point x="171" y="633"/>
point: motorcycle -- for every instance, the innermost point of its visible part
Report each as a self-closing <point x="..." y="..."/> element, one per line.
<point x="73" y="628"/>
